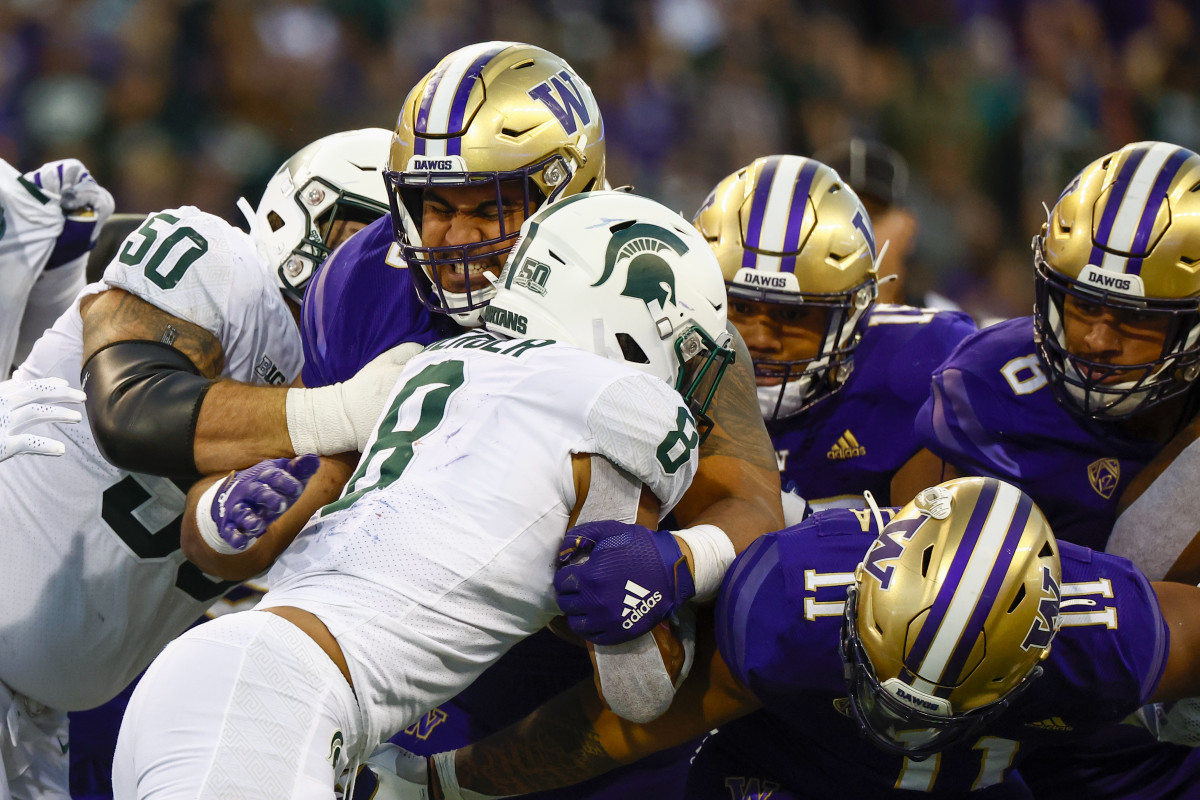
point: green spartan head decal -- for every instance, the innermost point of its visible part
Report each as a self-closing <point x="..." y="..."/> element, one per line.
<point x="649" y="276"/>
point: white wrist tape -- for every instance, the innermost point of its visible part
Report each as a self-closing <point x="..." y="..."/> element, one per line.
<point x="448" y="779"/>
<point x="206" y="525"/>
<point x="712" y="553"/>
<point x="317" y="421"/>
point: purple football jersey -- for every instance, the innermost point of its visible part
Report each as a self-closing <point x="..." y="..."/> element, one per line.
<point x="358" y="305"/>
<point x="779" y="618"/>
<point x="857" y="438"/>
<point x="992" y="413"/>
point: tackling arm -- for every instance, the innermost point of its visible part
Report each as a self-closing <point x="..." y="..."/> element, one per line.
<point x="737" y="484"/>
<point x="575" y="737"/>
<point x="324" y="487"/>
<point x="236" y="425"/>
<point x="1157" y="527"/>
<point x="230" y="425"/>
<point x="1180" y="606"/>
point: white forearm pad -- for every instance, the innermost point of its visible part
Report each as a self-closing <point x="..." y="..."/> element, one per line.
<point x="634" y="680"/>
<point x="446" y="776"/>
<point x="1160" y="524"/>
<point x="206" y="525"/>
<point x="712" y="553"/>
<point x="317" y="422"/>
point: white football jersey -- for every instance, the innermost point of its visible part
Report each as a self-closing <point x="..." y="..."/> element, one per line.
<point x="30" y="223"/>
<point x="92" y="579"/>
<point x="440" y="554"/>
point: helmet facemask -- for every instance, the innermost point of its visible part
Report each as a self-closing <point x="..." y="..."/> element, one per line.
<point x="806" y="381"/>
<point x="702" y="364"/>
<point x="321" y="216"/>
<point x="302" y="213"/>
<point x="898" y="728"/>
<point x="1080" y="383"/>
<point x="406" y="192"/>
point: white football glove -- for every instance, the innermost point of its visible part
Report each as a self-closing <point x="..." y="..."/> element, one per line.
<point x="341" y="418"/>
<point x="24" y="404"/>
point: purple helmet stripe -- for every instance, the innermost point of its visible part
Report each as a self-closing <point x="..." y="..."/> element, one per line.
<point x="458" y="108"/>
<point x="1115" y="195"/>
<point x="991" y="589"/>
<point x="421" y="126"/>
<point x="1153" y="203"/>
<point x="758" y="207"/>
<point x="791" y="239"/>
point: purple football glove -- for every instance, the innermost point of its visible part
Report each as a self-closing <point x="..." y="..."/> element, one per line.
<point x="248" y="501"/>
<point x="617" y="581"/>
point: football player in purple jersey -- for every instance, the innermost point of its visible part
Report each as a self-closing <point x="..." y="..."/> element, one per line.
<point x="1072" y="403"/>
<point x="964" y="639"/>
<point x="840" y="378"/>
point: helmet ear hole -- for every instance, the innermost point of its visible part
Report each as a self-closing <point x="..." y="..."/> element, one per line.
<point x="926" y="559"/>
<point x="631" y="350"/>
<point x="1017" y="600"/>
<point x="275" y="221"/>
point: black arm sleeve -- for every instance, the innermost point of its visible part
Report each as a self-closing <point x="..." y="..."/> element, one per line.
<point x="143" y="400"/>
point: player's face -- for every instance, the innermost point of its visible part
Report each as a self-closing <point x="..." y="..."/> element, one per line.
<point x="458" y="216"/>
<point x="1113" y="336"/>
<point x="779" y="331"/>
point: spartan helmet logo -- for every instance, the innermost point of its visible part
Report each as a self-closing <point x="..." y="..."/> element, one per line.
<point x="649" y="276"/>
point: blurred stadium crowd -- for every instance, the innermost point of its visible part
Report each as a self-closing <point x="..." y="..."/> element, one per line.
<point x="995" y="103"/>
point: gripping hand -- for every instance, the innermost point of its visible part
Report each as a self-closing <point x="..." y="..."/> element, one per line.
<point x="86" y="205"/>
<point x="24" y="404"/>
<point x="245" y="504"/>
<point x="617" y="580"/>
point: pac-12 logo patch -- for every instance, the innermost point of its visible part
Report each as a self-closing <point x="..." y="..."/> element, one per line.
<point x="1104" y="474"/>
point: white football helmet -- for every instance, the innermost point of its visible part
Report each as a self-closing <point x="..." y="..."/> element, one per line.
<point x="623" y="277"/>
<point x="338" y="177"/>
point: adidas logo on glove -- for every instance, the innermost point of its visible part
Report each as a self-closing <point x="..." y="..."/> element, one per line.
<point x="638" y="602"/>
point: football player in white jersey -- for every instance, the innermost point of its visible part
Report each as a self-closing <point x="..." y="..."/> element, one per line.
<point x="93" y="581"/>
<point x="604" y="344"/>
<point x="49" y="220"/>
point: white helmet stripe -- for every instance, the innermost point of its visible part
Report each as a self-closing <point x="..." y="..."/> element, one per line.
<point x="1133" y="204"/>
<point x="987" y="550"/>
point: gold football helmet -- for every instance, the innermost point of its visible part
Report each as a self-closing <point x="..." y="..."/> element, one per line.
<point x="953" y="608"/>
<point x="788" y="231"/>
<point x="488" y="114"/>
<point x="1123" y="235"/>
